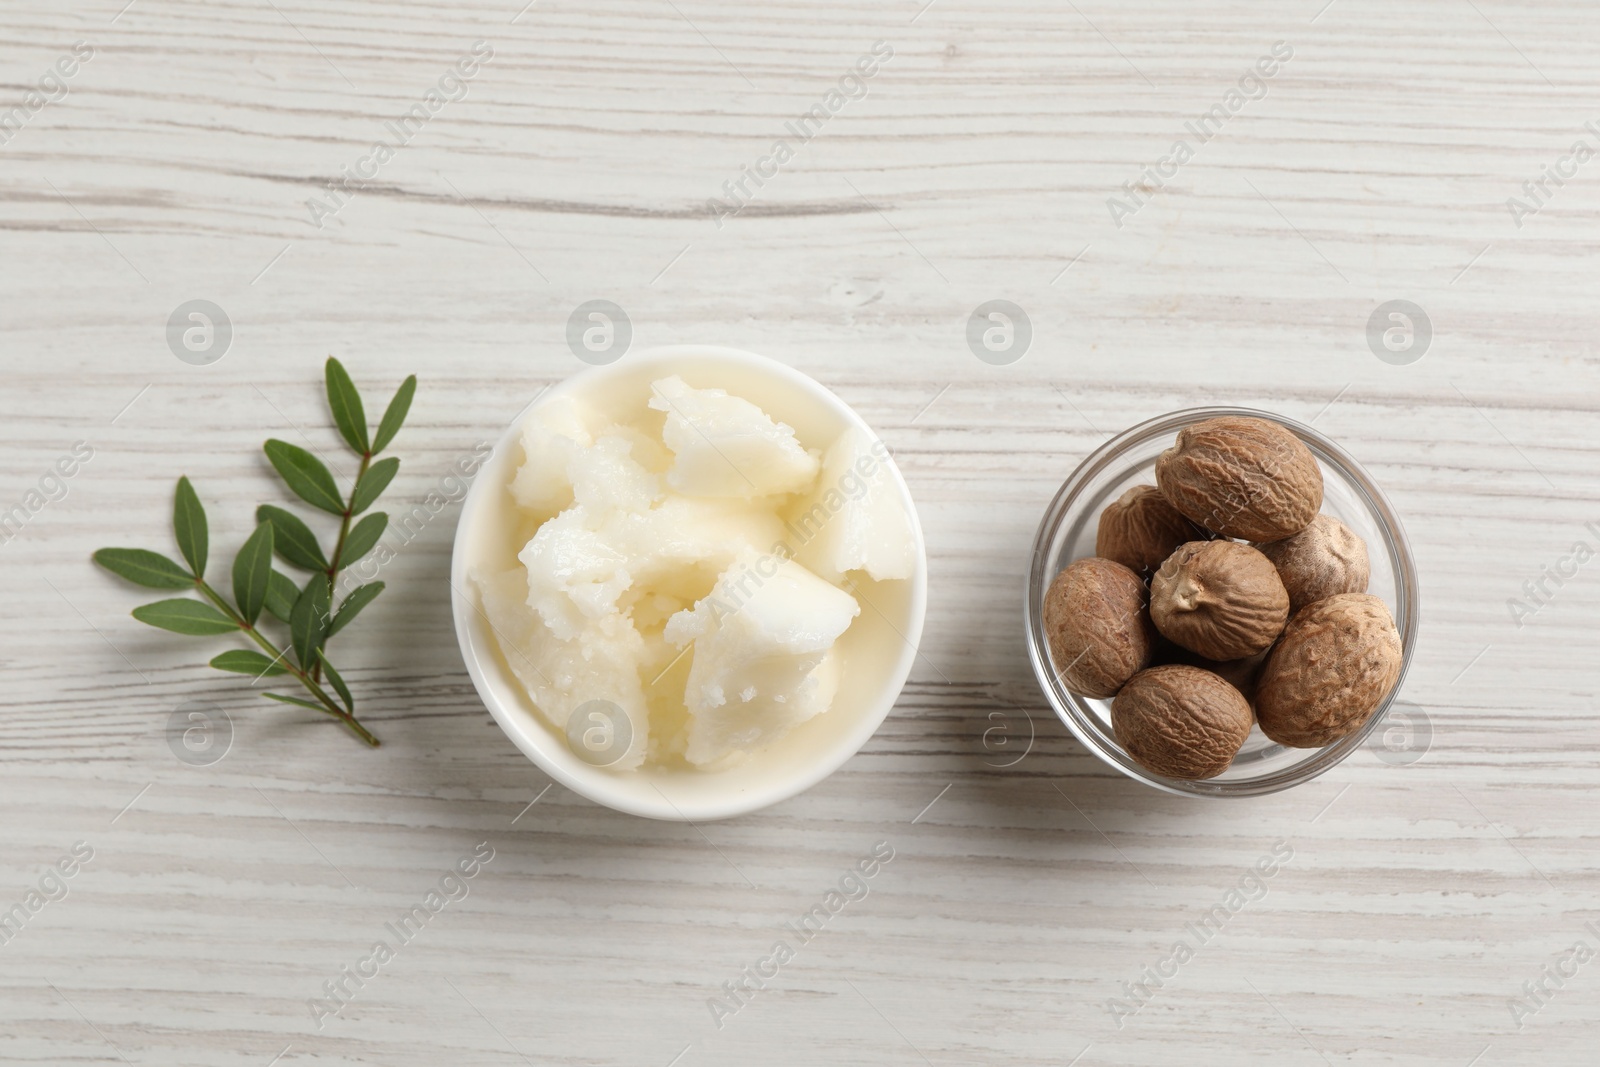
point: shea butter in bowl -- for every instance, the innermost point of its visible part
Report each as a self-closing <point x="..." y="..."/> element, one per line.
<point x="689" y="584"/>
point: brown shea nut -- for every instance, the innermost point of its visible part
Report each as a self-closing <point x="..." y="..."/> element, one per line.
<point x="1181" y="722"/>
<point x="1338" y="659"/>
<point x="1220" y="599"/>
<point x="1140" y="529"/>
<point x="1242" y="477"/>
<point x="1096" y="626"/>
<point x="1242" y="674"/>
<point x="1325" y="558"/>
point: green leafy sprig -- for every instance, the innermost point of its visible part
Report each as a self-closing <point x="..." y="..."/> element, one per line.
<point x="258" y="587"/>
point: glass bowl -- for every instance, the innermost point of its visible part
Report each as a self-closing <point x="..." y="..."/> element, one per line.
<point x="1068" y="532"/>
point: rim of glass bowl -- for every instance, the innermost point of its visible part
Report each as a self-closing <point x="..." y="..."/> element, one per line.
<point x="1073" y="710"/>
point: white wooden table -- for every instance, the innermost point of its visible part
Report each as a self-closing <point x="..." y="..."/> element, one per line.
<point x="1375" y="164"/>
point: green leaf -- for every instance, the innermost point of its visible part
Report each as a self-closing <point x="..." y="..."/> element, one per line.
<point x="308" y="622"/>
<point x="244" y="661"/>
<point x="362" y="537"/>
<point x="338" y="684"/>
<point x="395" y="415"/>
<point x="372" y="484"/>
<point x="252" y="571"/>
<point x="296" y="700"/>
<point x="141" y="567"/>
<point x="345" y="403"/>
<point x="185" y="617"/>
<point x="189" y="523"/>
<point x="281" y="595"/>
<point x="305" y="475"/>
<point x="359" y="598"/>
<point x="293" y="539"/>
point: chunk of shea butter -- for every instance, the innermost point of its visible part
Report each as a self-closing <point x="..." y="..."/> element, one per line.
<point x="690" y="531"/>
<point x="600" y="661"/>
<point x="759" y="638"/>
<point x="725" y="446"/>
<point x="606" y="476"/>
<point x="551" y="435"/>
<point x="581" y="563"/>
<point x="856" y="519"/>
<point x="575" y="572"/>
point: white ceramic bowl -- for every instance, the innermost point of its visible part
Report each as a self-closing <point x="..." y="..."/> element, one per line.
<point x="878" y="649"/>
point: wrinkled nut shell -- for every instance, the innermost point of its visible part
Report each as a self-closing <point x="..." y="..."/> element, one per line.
<point x="1181" y="722"/>
<point x="1220" y="599"/>
<point x="1242" y="477"/>
<point x="1141" y="529"/>
<point x="1242" y="674"/>
<point x="1096" y="626"/>
<point x="1323" y="560"/>
<point x="1338" y="659"/>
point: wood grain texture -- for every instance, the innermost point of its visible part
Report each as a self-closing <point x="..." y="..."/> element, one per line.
<point x="1023" y="893"/>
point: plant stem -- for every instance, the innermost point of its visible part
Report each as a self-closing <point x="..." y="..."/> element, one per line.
<point x="310" y="683"/>
<point x="338" y="548"/>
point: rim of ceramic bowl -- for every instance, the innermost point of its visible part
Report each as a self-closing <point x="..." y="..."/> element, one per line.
<point x="1088" y="726"/>
<point x="486" y="667"/>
